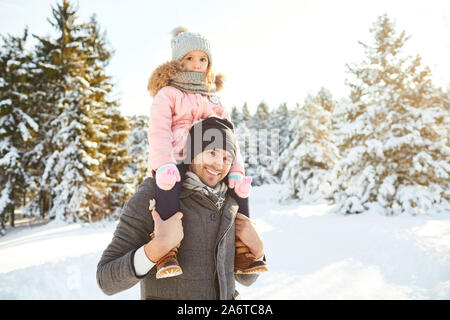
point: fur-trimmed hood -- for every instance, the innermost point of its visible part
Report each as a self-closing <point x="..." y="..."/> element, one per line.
<point x="162" y="75"/>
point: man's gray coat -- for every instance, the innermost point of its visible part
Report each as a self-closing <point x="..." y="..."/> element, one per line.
<point x="206" y="254"/>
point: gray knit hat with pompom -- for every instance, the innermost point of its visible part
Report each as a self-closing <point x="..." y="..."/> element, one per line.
<point x="185" y="41"/>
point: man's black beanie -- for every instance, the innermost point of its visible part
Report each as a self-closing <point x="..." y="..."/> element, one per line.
<point x="211" y="133"/>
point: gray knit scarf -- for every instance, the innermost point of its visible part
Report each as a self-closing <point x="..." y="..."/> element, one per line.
<point x="216" y="194"/>
<point x="193" y="82"/>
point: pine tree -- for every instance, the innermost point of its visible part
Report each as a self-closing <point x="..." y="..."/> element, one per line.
<point x="119" y="188"/>
<point x="65" y="164"/>
<point x="246" y="115"/>
<point x="137" y="169"/>
<point x="261" y="145"/>
<point x="249" y="156"/>
<point x="79" y="155"/>
<point x="261" y="117"/>
<point x="111" y="127"/>
<point x="48" y="90"/>
<point x="236" y="116"/>
<point x="17" y="127"/>
<point x="54" y="67"/>
<point x="311" y="155"/>
<point x="280" y="131"/>
<point x="395" y="137"/>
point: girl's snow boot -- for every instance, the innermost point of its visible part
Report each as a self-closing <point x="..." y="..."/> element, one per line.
<point x="168" y="265"/>
<point x="245" y="262"/>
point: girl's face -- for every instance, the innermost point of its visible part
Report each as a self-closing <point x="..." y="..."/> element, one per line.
<point x="195" y="61"/>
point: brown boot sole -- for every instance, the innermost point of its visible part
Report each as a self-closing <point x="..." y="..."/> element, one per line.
<point x="255" y="270"/>
<point x="167" y="272"/>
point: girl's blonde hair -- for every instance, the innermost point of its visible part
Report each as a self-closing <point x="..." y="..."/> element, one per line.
<point x="210" y="76"/>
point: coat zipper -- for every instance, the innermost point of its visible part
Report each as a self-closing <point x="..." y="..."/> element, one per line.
<point x="220" y="211"/>
<point x="216" y="249"/>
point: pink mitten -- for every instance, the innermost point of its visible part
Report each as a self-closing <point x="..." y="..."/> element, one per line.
<point x="243" y="189"/>
<point x="234" y="179"/>
<point x="166" y="176"/>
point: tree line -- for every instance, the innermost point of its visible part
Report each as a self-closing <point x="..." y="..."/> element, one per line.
<point x="67" y="152"/>
<point x="384" y="148"/>
<point x="63" y="141"/>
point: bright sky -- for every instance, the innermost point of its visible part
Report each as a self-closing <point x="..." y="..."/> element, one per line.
<point x="276" y="51"/>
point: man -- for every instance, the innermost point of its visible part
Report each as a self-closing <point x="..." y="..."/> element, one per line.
<point x="206" y="228"/>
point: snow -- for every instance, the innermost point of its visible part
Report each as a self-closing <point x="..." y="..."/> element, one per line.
<point x="83" y="81"/>
<point x="13" y="63"/>
<point x="5" y="102"/>
<point x="312" y="253"/>
<point x="48" y="66"/>
<point x="5" y="196"/>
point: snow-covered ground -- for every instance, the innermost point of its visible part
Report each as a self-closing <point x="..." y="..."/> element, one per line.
<point x="311" y="252"/>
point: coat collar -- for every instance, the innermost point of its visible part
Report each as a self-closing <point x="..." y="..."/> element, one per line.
<point x="162" y="75"/>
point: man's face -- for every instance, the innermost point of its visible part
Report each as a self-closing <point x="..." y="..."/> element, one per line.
<point x="211" y="166"/>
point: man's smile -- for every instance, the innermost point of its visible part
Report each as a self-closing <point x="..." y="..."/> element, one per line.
<point x="213" y="172"/>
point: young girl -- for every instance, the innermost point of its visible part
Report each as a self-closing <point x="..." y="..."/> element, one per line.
<point x="184" y="92"/>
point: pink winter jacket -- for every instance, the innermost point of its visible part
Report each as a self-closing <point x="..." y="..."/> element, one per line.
<point x="172" y="115"/>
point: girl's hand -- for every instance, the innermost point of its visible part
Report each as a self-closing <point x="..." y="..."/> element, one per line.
<point x="244" y="188"/>
<point x="246" y="231"/>
<point x="235" y="178"/>
<point x="166" y="176"/>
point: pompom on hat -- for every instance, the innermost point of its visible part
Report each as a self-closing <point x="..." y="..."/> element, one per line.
<point x="185" y="41"/>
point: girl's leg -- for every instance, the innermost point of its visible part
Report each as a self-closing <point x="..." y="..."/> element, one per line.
<point x="242" y="203"/>
<point x="167" y="202"/>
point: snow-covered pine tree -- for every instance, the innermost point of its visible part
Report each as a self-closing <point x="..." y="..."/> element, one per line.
<point x="446" y="104"/>
<point x="74" y="119"/>
<point x="243" y="138"/>
<point x="48" y="88"/>
<point x="118" y="189"/>
<point x="240" y="120"/>
<point x="246" y="115"/>
<point x="137" y="169"/>
<point x="110" y="126"/>
<point x="259" y="162"/>
<point x="310" y="157"/>
<point x="395" y="137"/>
<point x="280" y="134"/>
<point x="54" y="61"/>
<point x="236" y="116"/>
<point x="17" y="127"/>
<point x="260" y="118"/>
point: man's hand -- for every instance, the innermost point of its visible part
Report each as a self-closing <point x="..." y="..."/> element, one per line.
<point x="168" y="234"/>
<point x="246" y="231"/>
